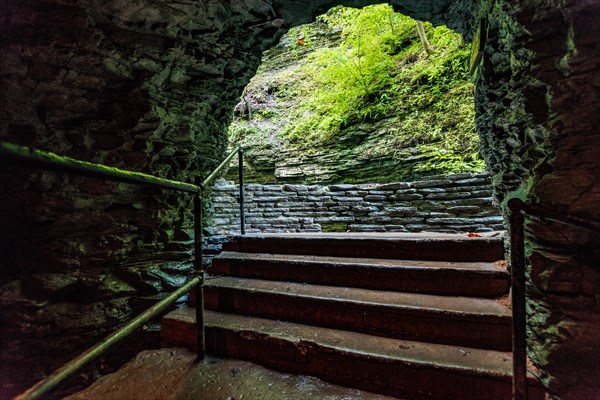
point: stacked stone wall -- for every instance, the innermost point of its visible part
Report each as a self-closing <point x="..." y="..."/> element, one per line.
<point x="452" y="203"/>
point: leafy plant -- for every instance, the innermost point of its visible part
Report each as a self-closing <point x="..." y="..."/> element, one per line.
<point x="378" y="71"/>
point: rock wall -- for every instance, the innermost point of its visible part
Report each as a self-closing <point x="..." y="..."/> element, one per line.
<point x="536" y="93"/>
<point x="143" y="85"/>
<point x="452" y="203"/>
<point x="340" y="162"/>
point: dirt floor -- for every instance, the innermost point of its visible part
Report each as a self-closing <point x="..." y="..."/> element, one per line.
<point x="172" y="373"/>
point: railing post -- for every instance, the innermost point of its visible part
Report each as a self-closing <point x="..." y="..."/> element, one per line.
<point x="199" y="271"/>
<point x="241" y="176"/>
<point x="519" y="339"/>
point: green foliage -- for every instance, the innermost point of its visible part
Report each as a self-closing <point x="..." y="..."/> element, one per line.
<point x="334" y="226"/>
<point x="296" y="33"/>
<point x="238" y="131"/>
<point x="381" y="71"/>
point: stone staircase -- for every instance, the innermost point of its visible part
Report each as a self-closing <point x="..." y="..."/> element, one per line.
<point x="413" y="316"/>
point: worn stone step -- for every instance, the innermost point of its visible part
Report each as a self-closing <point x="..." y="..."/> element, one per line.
<point x="405" y="369"/>
<point x="474" y="322"/>
<point x="477" y="279"/>
<point x="417" y="246"/>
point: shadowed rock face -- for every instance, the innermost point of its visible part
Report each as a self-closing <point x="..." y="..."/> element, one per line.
<point x="150" y="86"/>
<point x="541" y="140"/>
<point x="146" y="86"/>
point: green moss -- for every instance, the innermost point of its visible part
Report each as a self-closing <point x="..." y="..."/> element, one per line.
<point x="334" y="227"/>
<point x="115" y="285"/>
<point x="118" y="67"/>
<point x="62" y="163"/>
<point x="564" y="63"/>
<point x="330" y="97"/>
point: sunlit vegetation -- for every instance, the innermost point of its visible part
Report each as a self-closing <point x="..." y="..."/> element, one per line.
<point x="379" y="71"/>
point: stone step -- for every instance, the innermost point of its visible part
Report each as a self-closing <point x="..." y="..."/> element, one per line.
<point x="477" y="279"/>
<point x="405" y="369"/>
<point x="473" y="322"/>
<point x="418" y="246"/>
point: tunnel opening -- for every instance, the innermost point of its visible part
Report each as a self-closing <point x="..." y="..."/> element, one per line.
<point x="356" y="97"/>
<point x="126" y="84"/>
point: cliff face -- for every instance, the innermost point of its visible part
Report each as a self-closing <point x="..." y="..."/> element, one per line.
<point x="357" y="99"/>
<point x="151" y="86"/>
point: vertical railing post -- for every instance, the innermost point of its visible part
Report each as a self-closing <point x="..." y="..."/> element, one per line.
<point x="241" y="176"/>
<point x="519" y="339"/>
<point x="199" y="271"/>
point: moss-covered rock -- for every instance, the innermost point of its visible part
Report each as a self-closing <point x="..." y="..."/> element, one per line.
<point x="357" y="99"/>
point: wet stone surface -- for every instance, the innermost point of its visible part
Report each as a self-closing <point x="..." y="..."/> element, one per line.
<point x="442" y="204"/>
<point x="172" y="373"/>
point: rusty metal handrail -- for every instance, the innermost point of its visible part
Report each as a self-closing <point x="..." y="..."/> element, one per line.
<point x="240" y="152"/>
<point x="518" y="279"/>
<point x="223" y="164"/>
<point x="51" y="161"/>
<point x="94" y="352"/>
<point x="13" y="153"/>
<point x="519" y="316"/>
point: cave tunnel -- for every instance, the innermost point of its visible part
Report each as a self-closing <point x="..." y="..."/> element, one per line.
<point x="150" y="86"/>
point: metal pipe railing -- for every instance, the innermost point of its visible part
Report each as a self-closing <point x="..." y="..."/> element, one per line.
<point x="519" y="316"/>
<point x="85" y="358"/>
<point x="13" y="153"/>
<point x="242" y="200"/>
<point x="199" y="271"/>
<point x="541" y="212"/>
<point x="518" y="209"/>
<point x="224" y="164"/>
<point x="51" y="161"/>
